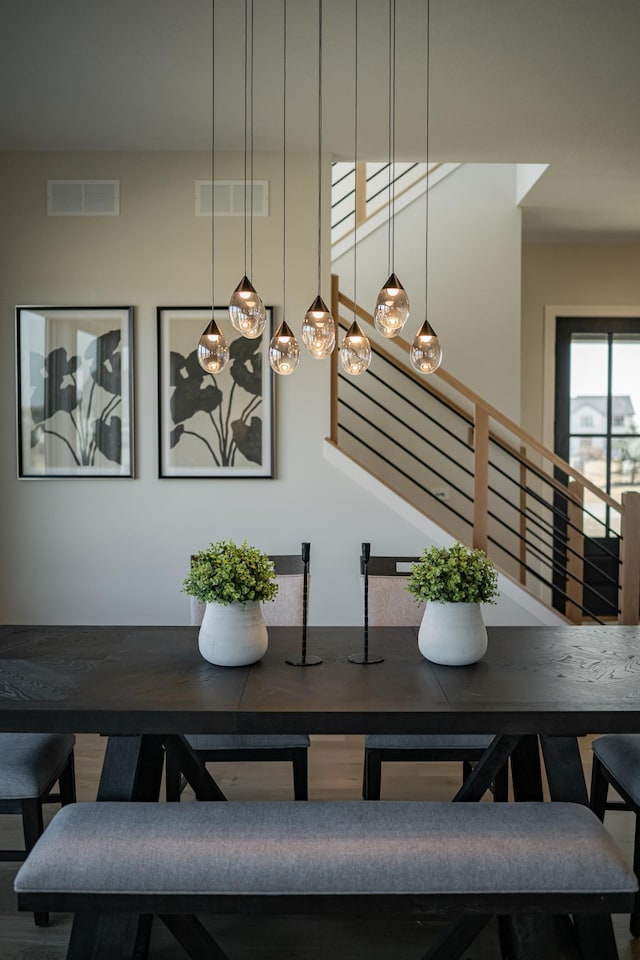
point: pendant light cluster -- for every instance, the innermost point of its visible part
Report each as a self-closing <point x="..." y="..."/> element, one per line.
<point x="246" y="308"/>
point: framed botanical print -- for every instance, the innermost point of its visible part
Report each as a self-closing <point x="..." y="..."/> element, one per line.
<point x="75" y="391"/>
<point x="213" y="425"/>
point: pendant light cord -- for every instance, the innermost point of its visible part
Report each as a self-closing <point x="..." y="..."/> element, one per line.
<point x="284" y="160"/>
<point x="389" y="138"/>
<point x="426" y="200"/>
<point x="251" y="72"/>
<point x="246" y="68"/>
<point x="355" y="155"/>
<point x="319" y="145"/>
<point x="213" y="152"/>
<point x="392" y="111"/>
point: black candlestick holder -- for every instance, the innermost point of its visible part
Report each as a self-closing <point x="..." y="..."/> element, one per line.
<point x="304" y="660"/>
<point x="365" y="657"/>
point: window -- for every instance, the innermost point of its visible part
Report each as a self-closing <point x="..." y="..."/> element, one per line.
<point x="586" y="420"/>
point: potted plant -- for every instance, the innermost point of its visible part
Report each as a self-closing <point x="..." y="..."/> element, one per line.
<point x="453" y="582"/>
<point x="231" y="581"/>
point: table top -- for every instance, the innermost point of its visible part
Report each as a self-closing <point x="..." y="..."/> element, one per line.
<point x="112" y="679"/>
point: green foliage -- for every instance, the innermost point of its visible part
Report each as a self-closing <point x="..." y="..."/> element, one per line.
<point x="227" y="573"/>
<point x="453" y="575"/>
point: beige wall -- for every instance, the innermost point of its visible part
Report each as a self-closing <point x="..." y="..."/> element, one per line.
<point x="588" y="276"/>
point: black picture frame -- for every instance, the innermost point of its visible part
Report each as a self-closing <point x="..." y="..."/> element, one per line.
<point x="74" y="391"/>
<point x="213" y="425"/>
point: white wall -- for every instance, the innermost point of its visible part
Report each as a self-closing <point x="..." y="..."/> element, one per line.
<point x="116" y="550"/>
<point x="474" y="276"/>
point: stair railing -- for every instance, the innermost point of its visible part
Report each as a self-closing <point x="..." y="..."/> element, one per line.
<point x="488" y="482"/>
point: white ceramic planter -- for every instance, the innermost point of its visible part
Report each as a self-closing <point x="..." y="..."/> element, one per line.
<point x="453" y="634"/>
<point x="233" y="635"/>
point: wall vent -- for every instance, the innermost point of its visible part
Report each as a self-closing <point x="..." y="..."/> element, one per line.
<point x="83" y="198"/>
<point x="228" y="198"/>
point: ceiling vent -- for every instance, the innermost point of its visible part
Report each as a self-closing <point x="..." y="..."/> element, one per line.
<point x="83" y="198"/>
<point x="228" y="198"/>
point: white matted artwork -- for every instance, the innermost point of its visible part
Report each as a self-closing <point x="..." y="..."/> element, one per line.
<point x="75" y="391"/>
<point x="213" y="425"/>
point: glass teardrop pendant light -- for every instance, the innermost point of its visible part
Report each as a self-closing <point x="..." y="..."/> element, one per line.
<point x="318" y="326"/>
<point x="426" y="352"/>
<point x="213" y="349"/>
<point x="246" y="309"/>
<point x="319" y="330"/>
<point x="355" y="351"/>
<point x="284" y="351"/>
<point x="392" y="308"/>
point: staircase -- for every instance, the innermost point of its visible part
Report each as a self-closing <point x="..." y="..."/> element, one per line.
<point x="479" y="477"/>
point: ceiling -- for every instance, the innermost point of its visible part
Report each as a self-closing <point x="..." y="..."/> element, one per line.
<point x="538" y="81"/>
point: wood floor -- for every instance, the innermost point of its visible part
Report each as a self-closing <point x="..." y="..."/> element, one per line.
<point x="335" y="772"/>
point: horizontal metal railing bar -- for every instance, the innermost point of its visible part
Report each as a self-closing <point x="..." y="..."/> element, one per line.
<point x="415" y="407"/>
<point x="387" y="186"/>
<point x="546" y="583"/>
<point x="557" y="567"/>
<point x="552" y="532"/>
<point x="530" y="466"/>
<point x="405" y="475"/>
<point x="557" y="511"/>
<point x="340" y="202"/>
<point x="410" y="453"/>
<point x="557" y="486"/>
<point x="342" y="220"/>
<point x="347" y="173"/>
<point x="440" y="399"/>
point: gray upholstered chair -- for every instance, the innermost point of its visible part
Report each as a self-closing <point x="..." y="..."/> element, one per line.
<point x="389" y="604"/>
<point x="616" y="762"/>
<point x="288" y="609"/>
<point x="30" y="766"/>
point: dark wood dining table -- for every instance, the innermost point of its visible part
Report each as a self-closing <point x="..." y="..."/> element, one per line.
<point x="146" y="687"/>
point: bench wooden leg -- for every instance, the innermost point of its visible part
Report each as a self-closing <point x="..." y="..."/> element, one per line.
<point x="193" y="937"/>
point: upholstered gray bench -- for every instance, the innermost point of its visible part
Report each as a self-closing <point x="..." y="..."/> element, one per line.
<point x="400" y="858"/>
